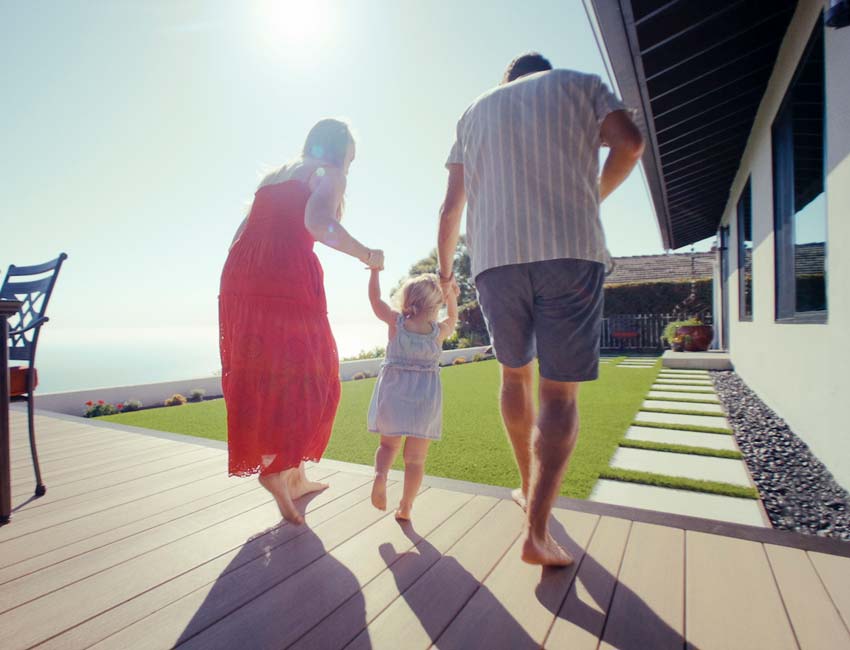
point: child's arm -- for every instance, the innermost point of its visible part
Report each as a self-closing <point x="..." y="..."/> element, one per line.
<point x="448" y="325"/>
<point x="382" y="310"/>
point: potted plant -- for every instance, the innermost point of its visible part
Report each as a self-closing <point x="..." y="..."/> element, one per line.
<point x="696" y="337"/>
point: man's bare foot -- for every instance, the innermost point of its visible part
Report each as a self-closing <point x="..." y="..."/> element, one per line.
<point x="519" y="498"/>
<point x="404" y="511"/>
<point x="379" y="492"/>
<point x="546" y="552"/>
<point x="278" y="485"/>
<point x="299" y="485"/>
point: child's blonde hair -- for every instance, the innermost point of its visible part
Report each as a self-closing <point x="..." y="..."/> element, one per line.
<point x="419" y="294"/>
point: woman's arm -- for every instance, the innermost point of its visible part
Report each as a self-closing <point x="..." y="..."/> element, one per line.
<point x="382" y="310"/>
<point x="320" y="219"/>
<point x="448" y="325"/>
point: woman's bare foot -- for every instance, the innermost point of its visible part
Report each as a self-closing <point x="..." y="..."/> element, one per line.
<point x="379" y="492"/>
<point x="519" y="498"/>
<point x="546" y="552"/>
<point x="403" y="512"/>
<point x="278" y="485"/>
<point x="299" y="485"/>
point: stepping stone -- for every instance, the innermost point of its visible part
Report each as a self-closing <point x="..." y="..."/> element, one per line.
<point x="675" y="418"/>
<point x="623" y="365"/>
<point x="684" y="382"/>
<point x="683" y="406"/>
<point x="674" y="371"/>
<point x="679" y="502"/>
<point x="667" y="375"/>
<point x="691" y="438"/>
<point x="685" y="390"/>
<point x="661" y="394"/>
<point x="703" y="468"/>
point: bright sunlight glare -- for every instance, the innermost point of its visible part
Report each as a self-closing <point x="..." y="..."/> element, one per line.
<point x="295" y="27"/>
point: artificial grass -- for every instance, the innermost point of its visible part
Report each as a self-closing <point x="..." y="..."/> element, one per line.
<point x="694" y="485"/>
<point x="684" y="399"/>
<point x="671" y="388"/>
<point x="681" y="449"/>
<point x="678" y="427"/>
<point x="474" y="445"/>
<point x="650" y="409"/>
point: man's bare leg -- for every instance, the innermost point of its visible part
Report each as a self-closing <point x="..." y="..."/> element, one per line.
<point x="553" y="442"/>
<point x="517" y="402"/>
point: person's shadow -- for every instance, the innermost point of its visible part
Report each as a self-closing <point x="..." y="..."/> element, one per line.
<point x="264" y="598"/>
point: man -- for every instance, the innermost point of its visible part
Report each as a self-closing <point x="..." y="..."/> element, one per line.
<point x="526" y="156"/>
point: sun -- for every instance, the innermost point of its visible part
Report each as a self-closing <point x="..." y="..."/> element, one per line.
<point x="292" y="26"/>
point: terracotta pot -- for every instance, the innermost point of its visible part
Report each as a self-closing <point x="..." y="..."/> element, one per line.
<point x="697" y="337"/>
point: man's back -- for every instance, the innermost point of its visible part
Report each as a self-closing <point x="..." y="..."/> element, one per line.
<point x="530" y="152"/>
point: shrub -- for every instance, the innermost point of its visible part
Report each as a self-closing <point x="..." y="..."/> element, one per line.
<point x="197" y="394"/>
<point x="132" y="405"/>
<point x="653" y="297"/>
<point x="670" y="329"/>
<point x="478" y="357"/>
<point x="450" y="342"/>
<point x="175" y="400"/>
<point x="99" y="408"/>
<point x="359" y="375"/>
<point x="459" y="361"/>
<point x="374" y="353"/>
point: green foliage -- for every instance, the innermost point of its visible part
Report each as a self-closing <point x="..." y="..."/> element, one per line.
<point x="672" y="326"/>
<point x="375" y="353"/>
<point x="197" y="395"/>
<point x="101" y="408"/>
<point x="132" y="405"/>
<point x="653" y="297"/>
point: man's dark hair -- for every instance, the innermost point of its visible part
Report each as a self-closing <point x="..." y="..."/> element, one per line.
<point x="524" y="64"/>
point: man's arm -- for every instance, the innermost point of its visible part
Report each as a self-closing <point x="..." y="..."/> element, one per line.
<point x="620" y="133"/>
<point x="450" y="215"/>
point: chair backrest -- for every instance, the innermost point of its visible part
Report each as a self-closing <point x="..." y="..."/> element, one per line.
<point x="32" y="285"/>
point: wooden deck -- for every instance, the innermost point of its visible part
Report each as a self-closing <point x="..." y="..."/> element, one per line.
<point x="142" y="541"/>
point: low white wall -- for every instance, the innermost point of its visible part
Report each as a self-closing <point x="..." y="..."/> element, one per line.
<point x="73" y="402"/>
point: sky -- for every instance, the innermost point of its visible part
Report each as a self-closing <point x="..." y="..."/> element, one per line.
<point x="135" y="133"/>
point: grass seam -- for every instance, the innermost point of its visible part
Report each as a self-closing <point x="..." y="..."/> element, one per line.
<point x="693" y="450"/>
<point x="651" y="409"/>
<point x="679" y="483"/>
<point x="683" y="427"/>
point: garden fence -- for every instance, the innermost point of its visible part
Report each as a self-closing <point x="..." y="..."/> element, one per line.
<point x="637" y="331"/>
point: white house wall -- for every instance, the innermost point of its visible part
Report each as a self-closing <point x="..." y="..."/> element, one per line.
<point x="802" y="371"/>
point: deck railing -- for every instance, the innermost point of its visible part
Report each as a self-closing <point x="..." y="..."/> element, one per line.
<point x="636" y="331"/>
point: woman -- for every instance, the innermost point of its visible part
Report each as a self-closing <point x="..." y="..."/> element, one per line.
<point x="280" y="369"/>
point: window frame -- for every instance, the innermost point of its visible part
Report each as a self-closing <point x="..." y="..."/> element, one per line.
<point x="745" y="200"/>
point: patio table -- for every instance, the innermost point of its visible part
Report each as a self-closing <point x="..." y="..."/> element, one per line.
<point x="7" y="308"/>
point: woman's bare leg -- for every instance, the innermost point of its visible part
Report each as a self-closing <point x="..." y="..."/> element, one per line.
<point x="384" y="457"/>
<point x="300" y="485"/>
<point x="279" y="486"/>
<point x="415" y="451"/>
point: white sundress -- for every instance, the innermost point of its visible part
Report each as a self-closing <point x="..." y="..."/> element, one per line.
<point x="408" y="397"/>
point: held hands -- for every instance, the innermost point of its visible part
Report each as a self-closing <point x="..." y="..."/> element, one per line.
<point x="374" y="260"/>
<point x="449" y="286"/>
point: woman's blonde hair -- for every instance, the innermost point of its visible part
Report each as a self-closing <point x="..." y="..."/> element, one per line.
<point x="419" y="294"/>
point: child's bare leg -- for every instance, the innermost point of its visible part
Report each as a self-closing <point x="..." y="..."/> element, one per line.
<point x="415" y="451"/>
<point x="384" y="457"/>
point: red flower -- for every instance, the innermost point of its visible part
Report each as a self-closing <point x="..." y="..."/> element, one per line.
<point x="119" y="406"/>
<point x="89" y="403"/>
<point x="101" y="402"/>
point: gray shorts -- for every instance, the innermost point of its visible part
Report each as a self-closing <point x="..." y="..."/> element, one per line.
<point x="550" y="309"/>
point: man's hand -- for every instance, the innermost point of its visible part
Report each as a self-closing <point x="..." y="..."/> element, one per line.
<point x="374" y="260"/>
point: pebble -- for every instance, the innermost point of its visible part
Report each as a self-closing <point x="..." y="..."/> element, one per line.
<point x="798" y="491"/>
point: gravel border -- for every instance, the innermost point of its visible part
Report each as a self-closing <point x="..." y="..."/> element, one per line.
<point x="798" y="491"/>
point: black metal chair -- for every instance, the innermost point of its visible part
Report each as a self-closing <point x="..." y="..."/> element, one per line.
<point x="33" y="286"/>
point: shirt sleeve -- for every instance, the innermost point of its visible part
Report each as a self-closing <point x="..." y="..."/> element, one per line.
<point x="456" y="153"/>
<point x="604" y="101"/>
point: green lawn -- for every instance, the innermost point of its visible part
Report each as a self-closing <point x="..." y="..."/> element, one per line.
<point x="474" y="446"/>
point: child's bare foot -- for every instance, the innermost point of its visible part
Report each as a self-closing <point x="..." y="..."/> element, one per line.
<point x="299" y="485"/>
<point x="519" y="497"/>
<point x="278" y="485"/>
<point x="403" y="512"/>
<point x="546" y="552"/>
<point x="379" y="492"/>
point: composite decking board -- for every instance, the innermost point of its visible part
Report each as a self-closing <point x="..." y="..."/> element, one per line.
<point x="93" y="540"/>
<point x="313" y="592"/>
<point x="348" y="620"/>
<point x="581" y="619"/>
<point x="834" y="572"/>
<point x="816" y="621"/>
<point x="44" y="518"/>
<point x="424" y="610"/>
<point x="647" y="609"/>
<point x="115" y="469"/>
<point x="731" y="597"/>
<point x="53" y="457"/>
<point x="503" y="612"/>
<point x="171" y="605"/>
<point x="86" y="598"/>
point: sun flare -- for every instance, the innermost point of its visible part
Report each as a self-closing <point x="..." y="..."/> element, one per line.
<point x="291" y="26"/>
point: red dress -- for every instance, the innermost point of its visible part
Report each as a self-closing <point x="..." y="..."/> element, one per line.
<point x="280" y="368"/>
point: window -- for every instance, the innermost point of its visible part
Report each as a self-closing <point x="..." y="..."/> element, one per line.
<point x="798" y="185"/>
<point x="745" y="254"/>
